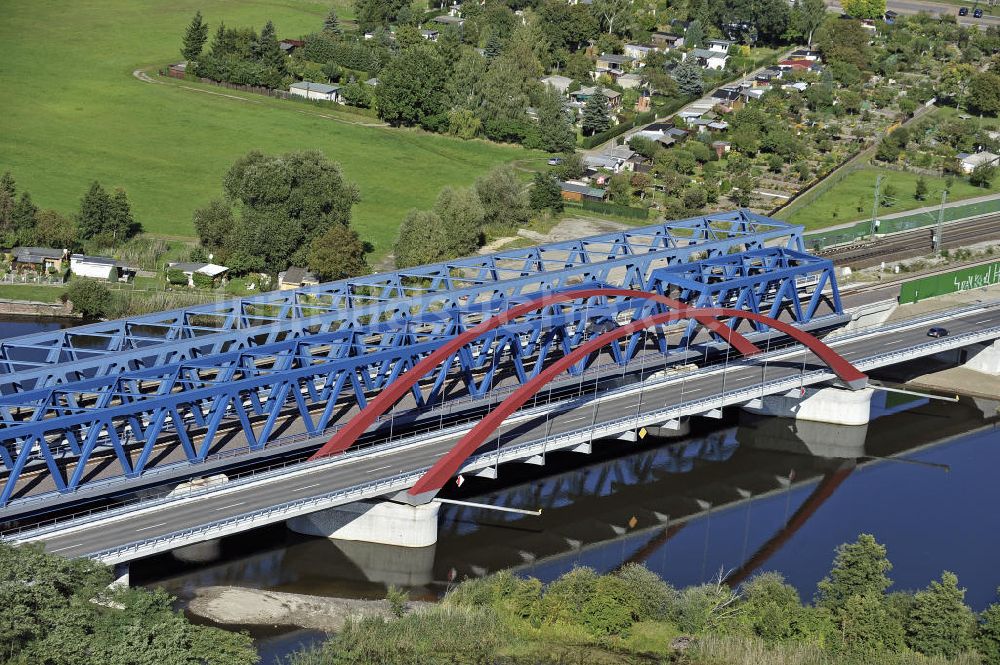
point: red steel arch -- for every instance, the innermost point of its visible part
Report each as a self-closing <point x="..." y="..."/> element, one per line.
<point x="389" y="395"/>
<point x="449" y="464"/>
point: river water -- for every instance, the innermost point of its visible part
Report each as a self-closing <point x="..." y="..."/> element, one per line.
<point x="740" y="496"/>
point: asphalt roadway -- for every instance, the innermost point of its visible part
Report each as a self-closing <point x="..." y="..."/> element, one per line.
<point x="130" y="528"/>
<point x="934" y="9"/>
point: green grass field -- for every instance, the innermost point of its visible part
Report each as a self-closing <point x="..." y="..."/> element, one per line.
<point x="840" y="204"/>
<point x="72" y="113"/>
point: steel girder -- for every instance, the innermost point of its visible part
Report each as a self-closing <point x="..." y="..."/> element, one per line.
<point x="623" y="259"/>
<point x="764" y="281"/>
<point x="59" y="428"/>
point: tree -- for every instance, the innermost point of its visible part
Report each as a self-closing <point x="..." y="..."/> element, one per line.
<point x="8" y="199"/>
<point x="194" y="38"/>
<point x="808" y="19"/>
<point x="688" y="77"/>
<point x="844" y="41"/>
<point x="612" y="12"/>
<point x="595" y="113"/>
<point x="52" y="229"/>
<point x="89" y="298"/>
<point x="372" y="14"/>
<point x="984" y="93"/>
<point x="920" y="190"/>
<point x="411" y="89"/>
<point x="555" y="126"/>
<point x="121" y="225"/>
<point x="983" y="175"/>
<point x="338" y="253"/>
<point x="421" y="240"/>
<point x="859" y="568"/>
<point x="505" y="204"/>
<point x="867" y="627"/>
<point x="269" y="50"/>
<point x="545" y="193"/>
<point x="461" y="215"/>
<point x="940" y="623"/>
<point x="694" y="36"/>
<point x="494" y="47"/>
<point x="213" y="223"/>
<point x="95" y="211"/>
<point x="988" y="637"/>
<point x="871" y="9"/>
<point x="331" y="24"/>
<point x="23" y="215"/>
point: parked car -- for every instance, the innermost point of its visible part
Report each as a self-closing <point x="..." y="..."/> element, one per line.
<point x="978" y="13"/>
<point x="937" y="331"/>
<point x="555" y="161"/>
<point x="963" y="11"/>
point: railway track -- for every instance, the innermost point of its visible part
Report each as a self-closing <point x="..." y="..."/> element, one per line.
<point x="918" y="242"/>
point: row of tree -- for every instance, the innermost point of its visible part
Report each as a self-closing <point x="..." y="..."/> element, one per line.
<point x="455" y="226"/>
<point x="853" y="621"/>
<point x="104" y="219"/>
<point x="235" y="55"/>
<point x="284" y="210"/>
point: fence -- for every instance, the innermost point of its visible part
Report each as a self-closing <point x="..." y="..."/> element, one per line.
<point x="899" y="223"/>
<point x="963" y="279"/>
<point x="611" y="209"/>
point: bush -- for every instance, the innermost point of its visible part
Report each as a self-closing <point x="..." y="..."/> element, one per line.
<point x="609" y="610"/>
<point x="90" y="298"/>
<point x="202" y="281"/>
<point x="398" y="600"/>
<point x="651" y="598"/>
<point x="177" y="277"/>
<point x="565" y="596"/>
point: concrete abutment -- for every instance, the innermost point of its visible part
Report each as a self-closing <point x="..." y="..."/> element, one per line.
<point x="382" y="522"/>
<point x="824" y="405"/>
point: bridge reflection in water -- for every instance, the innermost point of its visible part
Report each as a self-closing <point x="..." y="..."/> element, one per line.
<point x="742" y="498"/>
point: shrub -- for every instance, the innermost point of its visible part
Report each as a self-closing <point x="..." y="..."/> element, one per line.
<point x="565" y="596"/>
<point x="609" y="611"/>
<point x="90" y="298"/>
<point x="201" y="280"/>
<point x="650" y="598"/>
<point x="398" y="600"/>
<point x="176" y="277"/>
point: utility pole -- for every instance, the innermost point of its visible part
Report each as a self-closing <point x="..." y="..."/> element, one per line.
<point x="940" y="222"/>
<point x="878" y="188"/>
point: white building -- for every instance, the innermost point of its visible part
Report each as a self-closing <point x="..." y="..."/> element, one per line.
<point x="216" y="272"/>
<point x="968" y="163"/>
<point x="718" y="45"/>
<point x="95" y="267"/>
<point x="312" y="90"/>
<point x="708" y="59"/>
<point x="638" y="51"/>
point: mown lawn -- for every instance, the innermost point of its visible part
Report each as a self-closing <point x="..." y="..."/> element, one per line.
<point x="34" y="292"/>
<point x="851" y="198"/>
<point x="72" y="113"/>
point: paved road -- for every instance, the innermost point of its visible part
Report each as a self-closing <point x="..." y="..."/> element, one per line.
<point x="132" y="528"/>
<point x="935" y="9"/>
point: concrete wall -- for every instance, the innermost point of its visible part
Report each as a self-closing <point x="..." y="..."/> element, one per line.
<point x="31" y="308"/>
<point x="824" y="405"/>
<point x="986" y="361"/>
<point x="374" y="521"/>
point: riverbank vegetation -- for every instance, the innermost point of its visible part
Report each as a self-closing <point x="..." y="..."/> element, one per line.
<point x="59" y="611"/>
<point x="632" y="616"/>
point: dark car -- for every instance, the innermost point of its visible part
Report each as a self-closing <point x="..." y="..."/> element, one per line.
<point x="963" y="11"/>
<point x="978" y="13"/>
<point x="937" y="331"/>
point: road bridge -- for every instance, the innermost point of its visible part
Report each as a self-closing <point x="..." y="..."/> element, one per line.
<point x="534" y="432"/>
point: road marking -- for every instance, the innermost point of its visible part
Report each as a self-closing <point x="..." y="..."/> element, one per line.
<point x="979" y="323"/>
<point x="299" y="489"/>
<point x="60" y="549"/>
<point x="151" y="526"/>
<point x="232" y="505"/>
<point x="694" y="390"/>
<point x="378" y="469"/>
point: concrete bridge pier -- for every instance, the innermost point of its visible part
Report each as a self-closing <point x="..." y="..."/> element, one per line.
<point x="986" y="361"/>
<point x="382" y="522"/>
<point x="824" y="405"/>
<point x="672" y="429"/>
<point x="803" y="437"/>
<point x="121" y="576"/>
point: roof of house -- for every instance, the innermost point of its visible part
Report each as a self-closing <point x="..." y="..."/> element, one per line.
<point x="293" y="42"/>
<point x="36" y="254"/>
<point x="978" y="158"/>
<point x="706" y="54"/>
<point x="449" y="20"/>
<point x="798" y="62"/>
<point x="667" y="36"/>
<point x="721" y="42"/>
<point x="802" y="52"/>
<point x="311" y="86"/>
<point x="558" y="82"/>
<point x="614" y="58"/>
<point x="726" y="93"/>
<point x="641" y="47"/>
<point x="296" y="275"/>
<point x="621" y="152"/>
<point x="96" y="260"/>
<point x="210" y="269"/>
<point x="581" y="189"/>
<point x="601" y="162"/>
<point x="587" y="92"/>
